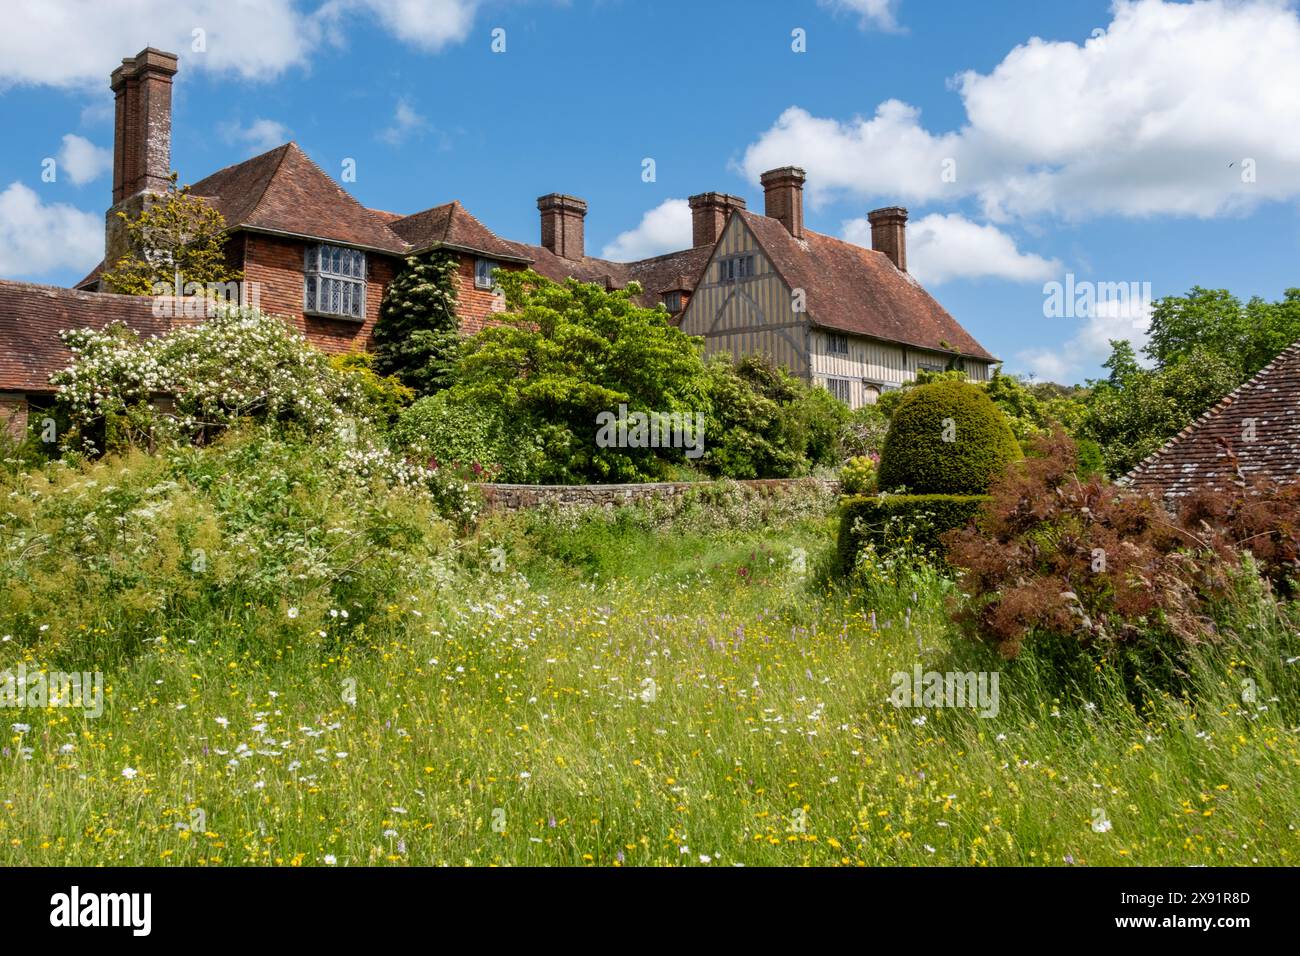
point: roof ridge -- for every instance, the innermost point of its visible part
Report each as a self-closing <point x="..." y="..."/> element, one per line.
<point x="284" y="148"/>
<point x="47" y="288"/>
<point x="1220" y="405"/>
<point x="243" y="162"/>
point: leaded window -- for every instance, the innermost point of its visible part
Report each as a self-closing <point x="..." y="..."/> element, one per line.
<point x="735" y="267"/>
<point x="335" y="282"/>
<point x="839" y="387"/>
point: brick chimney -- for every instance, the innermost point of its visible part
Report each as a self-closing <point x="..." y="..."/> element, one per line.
<point x="142" y="139"/>
<point x="562" y="219"/>
<point x="709" y="212"/>
<point x="889" y="233"/>
<point x="783" y="197"/>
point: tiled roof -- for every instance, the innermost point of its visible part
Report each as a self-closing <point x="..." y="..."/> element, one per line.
<point x="857" y="290"/>
<point x="676" y="271"/>
<point x="31" y="317"/>
<point x="848" y="288"/>
<point x="283" y="191"/>
<point x="656" y="275"/>
<point x="452" y="225"/>
<point x="1253" y="433"/>
<point x="92" y="278"/>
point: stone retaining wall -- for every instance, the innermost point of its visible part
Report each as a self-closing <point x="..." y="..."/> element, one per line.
<point x="514" y="497"/>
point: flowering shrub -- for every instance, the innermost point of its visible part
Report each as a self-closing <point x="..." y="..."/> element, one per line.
<point x="858" y="475"/>
<point x="100" y="558"/>
<point x="1252" y="516"/>
<point x="241" y="363"/>
<point x="1055" y="554"/>
<point x="472" y="435"/>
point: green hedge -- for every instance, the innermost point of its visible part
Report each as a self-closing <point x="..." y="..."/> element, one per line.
<point x="946" y="437"/>
<point x="926" y="517"/>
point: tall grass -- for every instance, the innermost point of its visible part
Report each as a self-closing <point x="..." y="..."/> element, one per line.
<point x="665" y="686"/>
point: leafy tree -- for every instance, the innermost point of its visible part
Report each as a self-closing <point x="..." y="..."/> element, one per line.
<point x="468" y="435"/>
<point x="566" y="353"/>
<point x="1136" y="410"/>
<point x="823" y="420"/>
<point x="417" y="334"/>
<point x="177" y="239"/>
<point x="1202" y="346"/>
<point x="1215" y="321"/>
<point x="751" y="430"/>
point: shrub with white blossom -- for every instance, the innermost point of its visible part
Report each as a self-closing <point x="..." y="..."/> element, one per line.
<point x="239" y="364"/>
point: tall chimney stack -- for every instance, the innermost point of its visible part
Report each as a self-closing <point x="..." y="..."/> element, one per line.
<point x="783" y="197"/>
<point x="709" y="212"/>
<point x="562" y="220"/>
<point x="142" y="139"/>
<point x="889" y="233"/>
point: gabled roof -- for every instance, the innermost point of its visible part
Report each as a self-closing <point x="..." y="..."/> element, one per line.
<point x="852" y="289"/>
<point x="451" y="225"/>
<point x="32" y="316"/>
<point x="1252" y="433"/>
<point x="284" y="192"/>
<point x="848" y="288"/>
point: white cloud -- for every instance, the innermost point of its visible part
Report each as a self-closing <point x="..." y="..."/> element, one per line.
<point x="662" y="229"/>
<point x="82" y="160"/>
<point x="258" y="136"/>
<point x="1142" y="119"/>
<point x="943" y="247"/>
<point x="1124" y="318"/>
<point x="405" y="122"/>
<point x="77" y="43"/>
<point x="38" y="238"/>
<point x="427" y="24"/>
<point x="881" y="14"/>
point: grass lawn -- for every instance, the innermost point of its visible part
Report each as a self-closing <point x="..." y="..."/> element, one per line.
<point x="623" y="696"/>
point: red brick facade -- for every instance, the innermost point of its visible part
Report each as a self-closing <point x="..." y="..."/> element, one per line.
<point x="476" y="308"/>
<point x="273" y="267"/>
<point x="274" y="270"/>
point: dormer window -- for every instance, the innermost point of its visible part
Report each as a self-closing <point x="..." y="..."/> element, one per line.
<point x="673" y="301"/>
<point x="335" y="282"/>
<point x="483" y="273"/>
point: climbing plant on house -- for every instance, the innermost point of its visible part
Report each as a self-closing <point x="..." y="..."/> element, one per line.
<point x="416" y="335"/>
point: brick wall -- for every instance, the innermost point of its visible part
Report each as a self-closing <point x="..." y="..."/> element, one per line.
<point x="276" y="265"/>
<point x="476" y="308"/>
<point x="515" y="497"/>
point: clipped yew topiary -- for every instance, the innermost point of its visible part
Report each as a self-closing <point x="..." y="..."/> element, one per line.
<point x="946" y="438"/>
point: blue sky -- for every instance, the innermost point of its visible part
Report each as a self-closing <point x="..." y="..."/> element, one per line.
<point x="1028" y="140"/>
